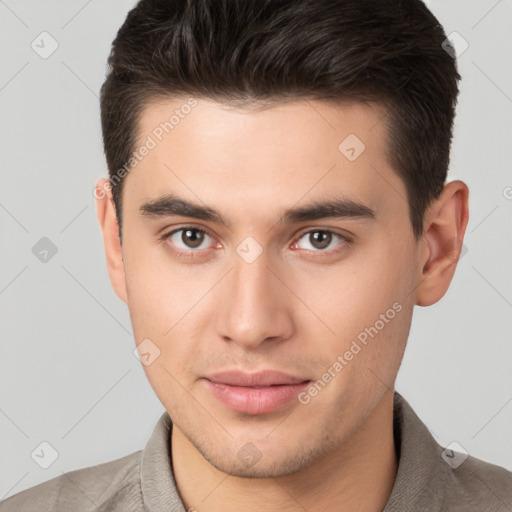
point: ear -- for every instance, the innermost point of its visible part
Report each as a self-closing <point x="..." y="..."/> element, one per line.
<point x="106" y="213"/>
<point x="444" y="227"/>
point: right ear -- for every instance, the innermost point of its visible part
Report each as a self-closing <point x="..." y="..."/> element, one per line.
<point x="106" y="213"/>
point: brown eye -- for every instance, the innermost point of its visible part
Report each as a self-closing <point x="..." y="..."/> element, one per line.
<point x="185" y="239"/>
<point x="192" y="237"/>
<point x="320" y="239"/>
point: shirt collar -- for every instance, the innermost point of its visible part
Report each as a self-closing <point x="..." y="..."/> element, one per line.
<point x="159" y="490"/>
<point x="420" y="466"/>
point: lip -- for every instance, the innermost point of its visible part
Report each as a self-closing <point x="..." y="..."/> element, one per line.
<point x="255" y="393"/>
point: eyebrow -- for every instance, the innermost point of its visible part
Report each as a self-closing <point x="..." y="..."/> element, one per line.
<point x="171" y="205"/>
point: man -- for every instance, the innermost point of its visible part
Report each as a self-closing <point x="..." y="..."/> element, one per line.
<point x="276" y="207"/>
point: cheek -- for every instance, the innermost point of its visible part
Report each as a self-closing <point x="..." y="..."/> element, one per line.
<point x="163" y="326"/>
<point x="363" y="309"/>
<point x="161" y="303"/>
<point x="160" y="292"/>
<point x="353" y="294"/>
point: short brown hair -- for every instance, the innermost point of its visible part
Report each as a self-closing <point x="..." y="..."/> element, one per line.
<point x="250" y="51"/>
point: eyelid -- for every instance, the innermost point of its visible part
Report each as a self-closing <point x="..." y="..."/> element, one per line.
<point x="310" y="229"/>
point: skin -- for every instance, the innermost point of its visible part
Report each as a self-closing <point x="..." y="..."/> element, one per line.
<point x="296" y="308"/>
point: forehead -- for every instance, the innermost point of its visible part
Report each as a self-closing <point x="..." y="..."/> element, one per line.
<point x="258" y="160"/>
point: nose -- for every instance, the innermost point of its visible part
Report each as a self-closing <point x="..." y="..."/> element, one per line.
<point x="256" y="307"/>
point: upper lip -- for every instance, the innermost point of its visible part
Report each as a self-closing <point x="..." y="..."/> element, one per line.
<point x="257" y="379"/>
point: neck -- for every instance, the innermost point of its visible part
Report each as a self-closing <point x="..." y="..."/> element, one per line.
<point x="359" y="475"/>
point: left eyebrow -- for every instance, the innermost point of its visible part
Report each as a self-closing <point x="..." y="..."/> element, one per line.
<point x="343" y="208"/>
<point x="334" y="208"/>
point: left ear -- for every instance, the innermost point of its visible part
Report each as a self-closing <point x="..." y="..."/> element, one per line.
<point x="444" y="227"/>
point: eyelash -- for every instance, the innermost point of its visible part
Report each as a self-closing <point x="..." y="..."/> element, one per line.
<point x="345" y="241"/>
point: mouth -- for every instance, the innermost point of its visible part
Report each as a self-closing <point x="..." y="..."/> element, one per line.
<point x="255" y="393"/>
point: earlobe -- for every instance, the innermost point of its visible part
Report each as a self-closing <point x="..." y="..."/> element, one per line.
<point x="105" y="211"/>
<point x="445" y="224"/>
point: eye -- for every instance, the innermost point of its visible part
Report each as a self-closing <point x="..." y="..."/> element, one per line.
<point x="187" y="238"/>
<point x="320" y="240"/>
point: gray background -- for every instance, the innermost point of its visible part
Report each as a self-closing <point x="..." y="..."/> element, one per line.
<point x="68" y="374"/>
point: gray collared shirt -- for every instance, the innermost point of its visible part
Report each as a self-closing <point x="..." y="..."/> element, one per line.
<point x="430" y="478"/>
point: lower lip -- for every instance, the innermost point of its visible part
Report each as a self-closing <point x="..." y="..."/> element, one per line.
<point x="255" y="401"/>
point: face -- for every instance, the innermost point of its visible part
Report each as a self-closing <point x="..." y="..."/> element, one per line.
<point x="263" y="241"/>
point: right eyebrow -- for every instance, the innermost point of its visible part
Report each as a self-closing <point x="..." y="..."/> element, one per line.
<point x="171" y="204"/>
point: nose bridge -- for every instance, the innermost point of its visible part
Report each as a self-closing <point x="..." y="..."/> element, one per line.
<point x="251" y="280"/>
<point x="255" y="308"/>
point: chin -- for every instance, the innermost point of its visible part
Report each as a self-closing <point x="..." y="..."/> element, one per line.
<point x="249" y="462"/>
